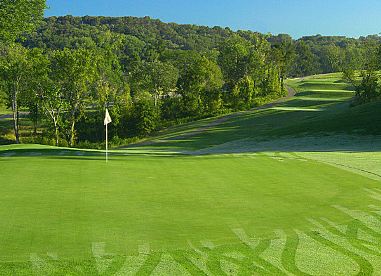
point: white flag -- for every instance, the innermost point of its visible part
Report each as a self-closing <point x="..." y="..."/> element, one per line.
<point x="107" y="118"/>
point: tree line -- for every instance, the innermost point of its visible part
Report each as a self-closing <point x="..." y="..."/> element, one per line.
<point x="144" y="85"/>
<point x="305" y="56"/>
<point x="66" y="70"/>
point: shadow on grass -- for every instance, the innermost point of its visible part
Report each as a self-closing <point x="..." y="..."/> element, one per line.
<point x="310" y="84"/>
<point x="326" y="94"/>
<point x="77" y="154"/>
<point x="334" y="143"/>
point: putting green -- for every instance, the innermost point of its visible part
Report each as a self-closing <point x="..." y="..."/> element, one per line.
<point x="66" y="205"/>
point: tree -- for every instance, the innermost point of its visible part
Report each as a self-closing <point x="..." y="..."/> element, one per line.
<point x="74" y="71"/>
<point x="132" y="52"/>
<point x="144" y="115"/>
<point x="200" y="83"/>
<point x="284" y="57"/>
<point x="306" y="61"/>
<point x="14" y="73"/>
<point x="46" y="93"/>
<point x="18" y="17"/>
<point x="233" y="59"/>
<point x="110" y="87"/>
<point x="243" y="92"/>
<point x="158" y="78"/>
<point x="367" y="81"/>
<point x="352" y="63"/>
<point x="212" y="82"/>
<point x="331" y="58"/>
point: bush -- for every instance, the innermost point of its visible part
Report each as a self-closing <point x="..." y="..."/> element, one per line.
<point x="144" y="117"/>
<point x="38" y="140"/>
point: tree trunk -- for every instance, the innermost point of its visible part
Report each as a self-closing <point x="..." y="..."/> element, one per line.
<point x="155" y="99"/>
<point x="15" y="118"/>
<point x="56" y="132"/>
<point x="35" y="121"/>
<point x="72" y="133"/>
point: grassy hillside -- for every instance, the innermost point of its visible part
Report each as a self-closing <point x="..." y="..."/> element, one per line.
<point x="273" y="191"/>
<point x="321" y="108"/>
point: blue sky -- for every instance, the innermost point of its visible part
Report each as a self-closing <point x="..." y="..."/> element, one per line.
<point x="296" y="17"/>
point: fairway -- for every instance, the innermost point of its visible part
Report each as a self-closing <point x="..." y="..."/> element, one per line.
<point x="292" y="189"/>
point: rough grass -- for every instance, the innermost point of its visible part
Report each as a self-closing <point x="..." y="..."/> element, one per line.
<point x="289" y="190"/>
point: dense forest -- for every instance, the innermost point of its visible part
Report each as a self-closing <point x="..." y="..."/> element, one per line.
<point x="305" y="56"/>
<point x="151" y="74"/>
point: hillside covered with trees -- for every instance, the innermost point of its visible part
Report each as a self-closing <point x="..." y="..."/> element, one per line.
<point x="151" y="74"/>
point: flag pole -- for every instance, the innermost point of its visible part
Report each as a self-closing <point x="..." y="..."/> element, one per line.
<point x="106" y="122"/>
<point x="106" y="144"/>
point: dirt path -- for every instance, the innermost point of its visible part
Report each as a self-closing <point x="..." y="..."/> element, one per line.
<point x="291" y="92"/>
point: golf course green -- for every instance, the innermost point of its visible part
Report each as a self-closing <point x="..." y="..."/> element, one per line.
<point x="292" y="188"/>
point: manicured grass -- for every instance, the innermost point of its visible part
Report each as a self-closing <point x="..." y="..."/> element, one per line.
<point x="311" y="112"/>
<point x="291" y="189"/>
<point x="64" y="204"/>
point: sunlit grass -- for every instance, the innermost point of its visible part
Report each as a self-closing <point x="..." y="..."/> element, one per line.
<point x="277" y="191"/>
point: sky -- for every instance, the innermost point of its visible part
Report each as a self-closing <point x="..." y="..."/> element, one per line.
<point x="298" y="18"/>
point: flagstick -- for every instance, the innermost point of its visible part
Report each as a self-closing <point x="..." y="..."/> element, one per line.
<point x="106" y="144"/>
<point x="106" y="122"/>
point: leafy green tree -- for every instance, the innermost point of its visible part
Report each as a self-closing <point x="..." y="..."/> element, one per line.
<point x="331" y="58"/>
<point x="158" y="78"/>
<point x="212" y="82"/>
<point x="233" y="58"/>
<point x="15" y="74"/>
<point x="199" y="85"/>
<point x="110" y="85"/>
<point x="351" y="64"/>
<point x="367" y="81"/>
<point x="284" y="57"/>
<point x="144" y="115"/>
<point x="306" y="61"/>
<point x="30" y="99"/>
<point x="132" y="52"/>
<point x="244" y="92"/>
<point x="74" y="71"/>
<point x="18" y="17"/>
<point x="368" y="88"/>
<point x="46" y="93"/>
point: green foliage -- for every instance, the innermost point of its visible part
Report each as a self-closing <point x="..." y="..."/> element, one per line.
<point x="19" y="17"/>
<point x="367" y="82"/>
<point x="75" y="72"/>
<point x="158" y="78"/>
<point x="15" y="66"/>
<point x="306" y="62"/>
<point x="78" y="66"/>
<point x="250" y="69"/>
<point x="283" y="54"/>
<point x="144" y="115"/>
<point x="243" y="92"/>
<point x="331" y="58"/>
<point x="369" y="87"/>
<point x="233" y="59"/>
<point x="199" y="84"/>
